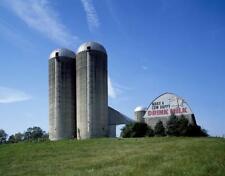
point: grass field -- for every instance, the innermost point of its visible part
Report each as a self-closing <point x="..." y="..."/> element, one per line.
<point x="144" y="156"/>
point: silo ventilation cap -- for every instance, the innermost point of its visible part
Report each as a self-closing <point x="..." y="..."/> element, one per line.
<point x="62" y="52"/>
<point x="140" y="108"/>
<point x="91" y="46"/>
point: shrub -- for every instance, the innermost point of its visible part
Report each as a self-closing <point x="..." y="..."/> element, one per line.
<point x="3" y="136"/>
<point x="159" y="129"/>
<point x="137" y="129"/>
<point x="19" y="137"/>
<point x="179" y="126"/>
<point x="196" y="131"/>
<point x="183" y="126"/>
<point x="172" y="126"/>
<point x="126" y="131"/>
<point x="150" y="132"/>
<point x="33" y="133"/>
<point x="11" y="139"/>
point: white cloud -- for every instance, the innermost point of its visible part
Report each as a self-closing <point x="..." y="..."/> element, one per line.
<point x="111" y="89"/>
<point x="38" y="15"/>
<point x="8" y="95"/>
<point x="92" y="17"/>
<point x="116" y="90"/>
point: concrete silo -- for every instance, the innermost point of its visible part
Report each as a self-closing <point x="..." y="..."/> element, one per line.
<point x="62" y="94"/>
<point x="92" y="91"/>
<point x="139" y="113"/>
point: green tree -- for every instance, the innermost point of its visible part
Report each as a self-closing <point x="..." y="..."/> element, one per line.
<point x="138" y="129"/>
<point x="45" y="135"/>
<point x="126" y="131"/>
<point x="3" y="136"/>
<point x="150" y="132"/>
<point x="180" y="126"/>
<point x="15" y="138"/>
<point x="33" y="133"/>
<point x="19" y="137"/>
<point x="11" y="139"/>
<point x="172" y="126"/>
<point x="159" y="129"/>
<point x="196" y="131"/>
<point x="183" y="126"/>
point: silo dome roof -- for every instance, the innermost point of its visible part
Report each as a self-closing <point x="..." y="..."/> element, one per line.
<point x="63" y="52"/>
<point x="140" y="108"/>
<point x="93" y="46"/>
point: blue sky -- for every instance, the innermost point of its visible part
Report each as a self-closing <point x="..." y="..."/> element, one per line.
<point x="154" y="46"/>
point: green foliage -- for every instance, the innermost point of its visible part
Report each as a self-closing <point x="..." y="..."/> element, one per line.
<point x="172" y="126"/>
<point x="11" y="139"/>
<point x="179" y="126"/>
<point x="183" y="126"/>
<point x="19" y="137"/>
<point x="159" y="129"/>
<point x="16" y="138"/>
<point x="137" y="129"/>
<point x="150" y="132"/>
<point x="33" y="133"/>
<point x="126" y="131"/>
<point x="196" y="131"/>
<point x="175" y="126"/>
<point x="3" y="136"/>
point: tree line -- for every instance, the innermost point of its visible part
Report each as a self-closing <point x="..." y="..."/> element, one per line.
<point x="175" y="126"/>
<point x="31" y="134"/>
